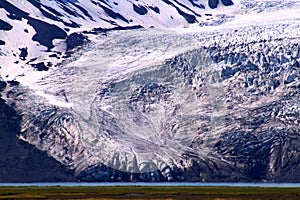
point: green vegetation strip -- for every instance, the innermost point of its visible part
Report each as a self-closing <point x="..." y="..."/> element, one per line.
<point x="130" y="192"/>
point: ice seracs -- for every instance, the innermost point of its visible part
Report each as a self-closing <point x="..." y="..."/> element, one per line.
<point x="216" y="102"/>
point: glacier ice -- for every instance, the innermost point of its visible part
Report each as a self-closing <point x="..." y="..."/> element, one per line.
<point x="219" y="103"/>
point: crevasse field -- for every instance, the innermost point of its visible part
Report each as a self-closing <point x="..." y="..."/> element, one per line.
<point x="212" y="101"/>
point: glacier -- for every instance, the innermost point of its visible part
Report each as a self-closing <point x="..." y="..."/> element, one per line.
<point x="218" y="101"/>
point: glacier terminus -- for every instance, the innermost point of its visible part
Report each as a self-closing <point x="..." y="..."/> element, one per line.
<point x="152" y="91"/>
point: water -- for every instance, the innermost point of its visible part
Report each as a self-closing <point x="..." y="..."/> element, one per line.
<point x="71" y="184"/>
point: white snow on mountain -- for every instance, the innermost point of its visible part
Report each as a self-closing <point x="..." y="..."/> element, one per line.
<point x="97" y="81"/>
<point x="40" y="27"/>
<point x="80" y="16"/>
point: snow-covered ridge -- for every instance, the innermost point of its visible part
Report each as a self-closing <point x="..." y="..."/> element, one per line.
<point x="34" y="32"/>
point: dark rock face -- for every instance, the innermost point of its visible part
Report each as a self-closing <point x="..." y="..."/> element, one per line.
<point x="23" y="53"/>
<point x="20" y="161"/>
<point x="3" y="85"/>
<point x="227" y="2"/>
<point x="75" y="40"/>
<point x="140" y="9"/>
<point x="214" y="3"/>
<point x="110" y="12"/>
<point x="40" y="66"/>
<point x="189" y="18"/>
<point x="155" y="9"/>
<point x="5" y="26"/>
<point x="13" y="83"/>
<point x="46" y="33"/>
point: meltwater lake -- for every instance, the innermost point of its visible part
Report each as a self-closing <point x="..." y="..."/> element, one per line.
<point x="184" y="184"/>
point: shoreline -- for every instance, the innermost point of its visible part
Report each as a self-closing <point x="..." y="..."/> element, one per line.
<point x="153" y="184"/>
<point x="148" y="192"/>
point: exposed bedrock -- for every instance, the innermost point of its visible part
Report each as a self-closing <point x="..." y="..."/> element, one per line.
<point x="214" y="3"/>
<point x="20" y="161"/>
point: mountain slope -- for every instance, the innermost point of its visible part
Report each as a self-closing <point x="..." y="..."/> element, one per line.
<point x="217" y="101"/>
<point x="20" y="161"/>
<point x="35" y="34"/>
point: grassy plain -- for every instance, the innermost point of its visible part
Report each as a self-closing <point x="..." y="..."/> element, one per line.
<point x="150" y="192"/>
